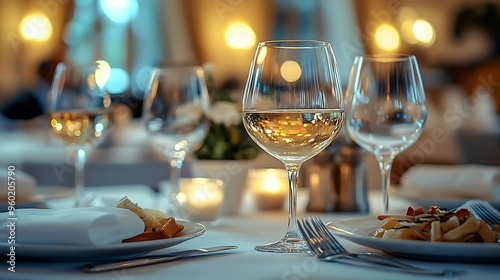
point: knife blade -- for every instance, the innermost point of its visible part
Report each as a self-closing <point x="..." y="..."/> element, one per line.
<point x="147" y="260"/>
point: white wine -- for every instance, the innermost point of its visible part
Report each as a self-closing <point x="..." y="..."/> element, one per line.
<point x="294" y="135"/>
<point x="79" y="126"/>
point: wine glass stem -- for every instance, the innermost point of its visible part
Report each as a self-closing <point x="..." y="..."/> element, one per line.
<point x="293" y="175"/>
<point x="175" y="174"/>
<point x="385" y="165"/>
<point x="80" y="159"/>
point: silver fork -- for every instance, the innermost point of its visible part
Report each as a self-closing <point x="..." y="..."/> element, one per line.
<point x="326" y="248"/>
<point x="485" y="212"/>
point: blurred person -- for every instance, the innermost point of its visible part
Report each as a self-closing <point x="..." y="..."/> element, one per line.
<point x="31" y="103"/>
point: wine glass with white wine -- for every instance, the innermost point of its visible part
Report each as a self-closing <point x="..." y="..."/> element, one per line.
<point x="293" y="109"/>
<point x="174" y="113"/>
<point x="78" y="111"/>
<point x="386" y="108"/>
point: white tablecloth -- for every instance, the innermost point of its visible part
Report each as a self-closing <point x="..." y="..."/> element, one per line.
<point x="246" y="230"/>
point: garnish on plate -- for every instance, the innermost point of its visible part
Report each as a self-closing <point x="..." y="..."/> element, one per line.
<point x="435" y="224"/>
<point x="156" y="223"/>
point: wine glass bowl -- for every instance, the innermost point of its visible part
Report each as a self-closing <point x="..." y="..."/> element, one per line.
<point x="294" y="135"/>
<point x="386" y="108"/>
<point x="174" y="114"/>
<point x="293" y="109"/>
<point x="78" y="111"/>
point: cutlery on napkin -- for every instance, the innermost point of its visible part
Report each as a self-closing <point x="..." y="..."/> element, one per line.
<point x="94" y="226"/>
<point x="452" y="181"/>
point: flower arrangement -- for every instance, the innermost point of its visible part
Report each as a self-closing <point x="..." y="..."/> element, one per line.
<point x="227" y="138"/>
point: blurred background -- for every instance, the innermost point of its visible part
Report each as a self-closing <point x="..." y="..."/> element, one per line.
<point x="457" y="43"/>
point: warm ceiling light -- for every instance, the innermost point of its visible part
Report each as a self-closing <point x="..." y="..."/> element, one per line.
<point x="240" y="36"/>
<point x="387" y="37"/>
<point x="36" y="27"/>
<point x="424" y="32"/>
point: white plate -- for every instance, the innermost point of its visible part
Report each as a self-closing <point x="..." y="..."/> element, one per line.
<point x="115" y="251"/>
<point x="359" y="230"/>
<point x="443" y="202"/>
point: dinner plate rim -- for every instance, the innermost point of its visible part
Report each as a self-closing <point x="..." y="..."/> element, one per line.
<point x="107" y="252"/>
<point x="441" y="251"/>
<point x="443" y="202"/>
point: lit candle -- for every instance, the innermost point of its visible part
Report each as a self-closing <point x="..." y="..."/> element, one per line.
<point x="269" y="187"/>
<point x="200" y="199"/>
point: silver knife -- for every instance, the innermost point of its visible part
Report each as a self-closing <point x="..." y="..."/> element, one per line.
<point x="154" y="259"/>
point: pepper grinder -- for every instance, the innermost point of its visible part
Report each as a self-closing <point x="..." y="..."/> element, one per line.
<point x="318" y="180"/>
<point x="337" y="179"/>
<point x="349" y="180"/>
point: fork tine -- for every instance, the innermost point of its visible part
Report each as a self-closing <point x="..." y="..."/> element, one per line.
<point x="326" y="247"/>
<point x="485" y="214"/>
<point x="478" y="213"/>
<point x="310" y="238"/>
<point x="492" y="216"/>
<point x="329" y="247"/>
<point x="327" y="236"/>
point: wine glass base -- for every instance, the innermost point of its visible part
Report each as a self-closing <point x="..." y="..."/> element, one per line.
<point x="285" y="245"/>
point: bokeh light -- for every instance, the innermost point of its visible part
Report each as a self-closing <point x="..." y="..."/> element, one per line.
<point x="424" y="32"/>
<point x="118" y="81"/>
<point x="240" y="35"/>
<point x="387" y="37"/>
<point x="119" y="11"/>
<point x="290" y="71"/>
<point x="407" y="31"/>
<point x="35" y="27"/>
<point x="102" y="73"/>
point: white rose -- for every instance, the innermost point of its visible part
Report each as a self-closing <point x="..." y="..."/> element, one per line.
<point x="224" y="112"/>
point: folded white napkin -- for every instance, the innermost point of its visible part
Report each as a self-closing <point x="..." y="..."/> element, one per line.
<point x="22" y="183"/>
<point x="95" y="226"/>
<point x="452" y="181"/>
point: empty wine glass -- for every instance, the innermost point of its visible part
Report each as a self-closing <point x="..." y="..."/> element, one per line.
<point x="293" y="108"/>
<point x="78" y="111"/>
<point x="175" y="105"/>
<point x="386" y="108"/>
